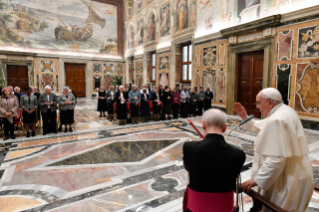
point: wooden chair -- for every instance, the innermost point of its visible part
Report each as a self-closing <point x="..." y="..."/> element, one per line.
<point x="19" y="122"/>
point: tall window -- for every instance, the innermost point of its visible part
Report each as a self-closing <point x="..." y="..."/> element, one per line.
<point x="187" y="62"/>
<point x="153" y="67"/>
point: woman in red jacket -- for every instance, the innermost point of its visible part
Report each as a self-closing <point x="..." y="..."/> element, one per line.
<point x="176" y="102"/>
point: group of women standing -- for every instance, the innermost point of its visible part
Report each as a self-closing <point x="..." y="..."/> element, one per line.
<point x="163" y="100"/>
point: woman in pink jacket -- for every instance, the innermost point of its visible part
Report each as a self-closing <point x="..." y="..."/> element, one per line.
<point x="8" y="110"/>
<point x="176" y="102"/>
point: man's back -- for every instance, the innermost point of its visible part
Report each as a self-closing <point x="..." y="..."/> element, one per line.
<point x="213" y="165"/>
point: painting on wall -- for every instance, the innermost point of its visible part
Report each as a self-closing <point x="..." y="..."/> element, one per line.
<point x="307" y="87"/>
<point x="247" y="10"/>
<point x="164" y="79"/>
<point x="283" y="80"/>
<point x="81" y="26"/>
<point x="209" y="81"/>
<point x="151" y="27"/>
<point x="165" y="23"/>
<point x="139" y="5"/>
<point x="131" y="37"/>
<point x="164" y="63"/>
<point x="308" y="42"/>
<point x="181" y="15"/>
<point x="140" y="32"/>
<point x="209" y="56"/>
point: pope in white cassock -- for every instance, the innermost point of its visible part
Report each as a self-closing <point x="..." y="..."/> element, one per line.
<point x="281" y="167"/>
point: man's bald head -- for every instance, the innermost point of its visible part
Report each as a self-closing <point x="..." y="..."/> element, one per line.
<point x="214" y="119"/>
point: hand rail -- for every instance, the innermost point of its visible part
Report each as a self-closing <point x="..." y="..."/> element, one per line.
<point x="259" y="201"/>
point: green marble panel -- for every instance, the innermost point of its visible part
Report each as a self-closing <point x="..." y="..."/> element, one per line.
<point x="119" y="152"/>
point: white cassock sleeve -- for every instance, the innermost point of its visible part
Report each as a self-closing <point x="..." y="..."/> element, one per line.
<point x="253" y="126"/>
<point x="269" y="172"/>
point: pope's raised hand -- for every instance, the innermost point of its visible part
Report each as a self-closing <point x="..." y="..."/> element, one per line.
<point x="240" y="110"/>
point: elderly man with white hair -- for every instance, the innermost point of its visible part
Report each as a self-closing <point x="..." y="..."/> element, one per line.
<point x="48" y="107"/>
<point x="213" y="166"/>
<point x="281" y="167"/>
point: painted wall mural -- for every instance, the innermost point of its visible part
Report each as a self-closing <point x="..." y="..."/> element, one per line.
<point x="140" y="32"/>
<point x="131" y="37"/>
<point x="151" y="27"/>
<point x="165" y="21"/>
<point x="181" y="15"/>
<point x="73" y="25"/>
<point x="214" y="15"/>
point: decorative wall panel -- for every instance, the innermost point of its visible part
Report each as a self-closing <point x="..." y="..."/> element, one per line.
<point x="163" y="66"/>
<point x="295" y="70"/>
<point x="308" y="42"/>
<point x="103" y="74"/>
<point x="47" y="72"/>
<point x="211" y="61"/>
<point x="283" y="80"/>
<point x="285" y="44"/>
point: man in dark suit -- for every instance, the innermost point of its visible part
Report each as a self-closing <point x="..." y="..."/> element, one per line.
<point x="48" y="107"/>
<point x="213" y="166"/>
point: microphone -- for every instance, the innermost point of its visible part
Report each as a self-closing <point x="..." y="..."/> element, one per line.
<point x="246" y="120"/>
<point x="240" y="124"/>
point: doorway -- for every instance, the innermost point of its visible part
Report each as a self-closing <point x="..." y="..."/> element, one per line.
<point x="250" y="80"/>
<point x="75" y="78"/>
<point x="18" y="76"/>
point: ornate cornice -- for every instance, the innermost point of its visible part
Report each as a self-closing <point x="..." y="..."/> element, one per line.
<point x="254" y="26"/>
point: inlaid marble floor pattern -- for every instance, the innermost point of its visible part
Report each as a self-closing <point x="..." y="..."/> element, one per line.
<point x="105" y="167"/>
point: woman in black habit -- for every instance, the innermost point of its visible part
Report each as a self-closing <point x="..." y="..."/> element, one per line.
<point x="156" y="98"/>
<point x="101" y="104"/>
<point x="208" y="99"/>
<point x="121" y="106"/>
<point x="167" y="102"/>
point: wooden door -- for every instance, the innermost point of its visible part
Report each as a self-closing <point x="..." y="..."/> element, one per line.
<point x="75" y="78"/>
<point x="18" y="76"/>
<point x="250" y="80"/>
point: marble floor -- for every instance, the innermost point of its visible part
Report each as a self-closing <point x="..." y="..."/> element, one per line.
<point x="105" y="167"/>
